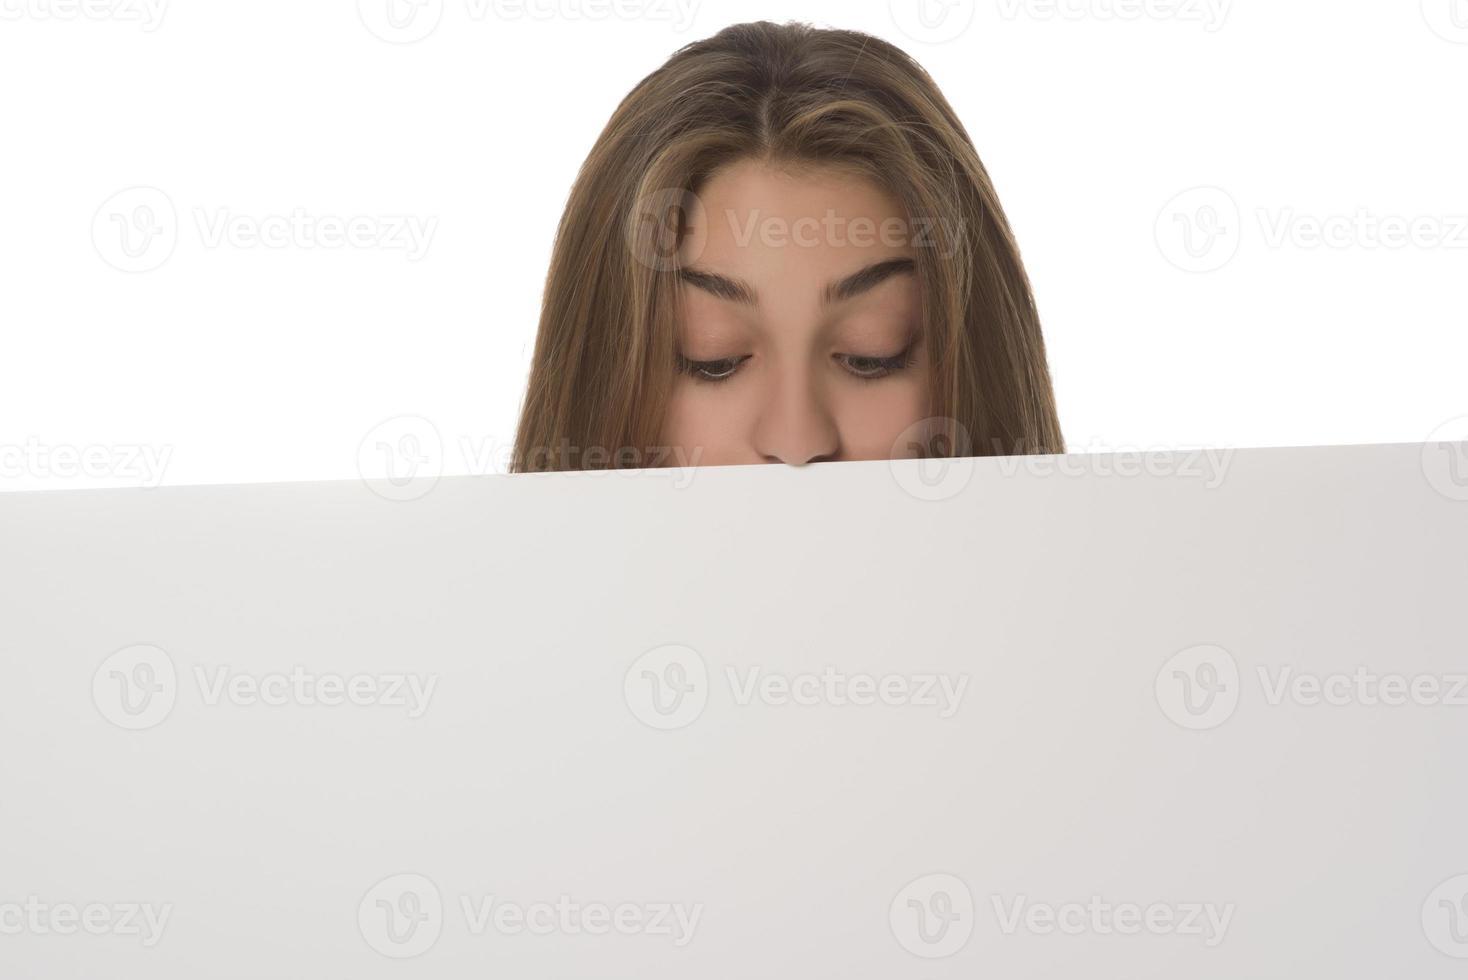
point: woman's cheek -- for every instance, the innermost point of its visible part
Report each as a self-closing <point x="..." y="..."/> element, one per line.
<point x="707" y="420"/>
<point x="873" y="420"/>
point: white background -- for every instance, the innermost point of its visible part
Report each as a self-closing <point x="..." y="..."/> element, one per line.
<point x="226" y="360"/>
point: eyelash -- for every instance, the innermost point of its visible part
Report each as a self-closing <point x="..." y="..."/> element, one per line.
<point x="711" y="371"/>
<point x="874" y="368"/>
<point x="879" y="367"/>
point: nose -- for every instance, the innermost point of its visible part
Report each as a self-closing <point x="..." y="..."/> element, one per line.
<point x="796" y="425"/>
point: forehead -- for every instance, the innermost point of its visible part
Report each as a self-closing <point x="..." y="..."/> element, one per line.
<point x="759" y="220"/>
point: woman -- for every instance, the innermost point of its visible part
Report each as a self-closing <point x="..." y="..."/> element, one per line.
<point x="784" y="248"/>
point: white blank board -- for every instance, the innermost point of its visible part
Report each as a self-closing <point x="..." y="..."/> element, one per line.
<point x="1179" y="716"/>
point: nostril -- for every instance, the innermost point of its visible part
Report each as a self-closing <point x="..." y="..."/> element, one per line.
<point x="797" y="461"/>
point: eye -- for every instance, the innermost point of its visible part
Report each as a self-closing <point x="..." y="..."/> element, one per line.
<point x="872" y="368"/>
<point x="720" y="370"/>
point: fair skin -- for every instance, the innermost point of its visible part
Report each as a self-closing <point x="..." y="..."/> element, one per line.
<point x="799" y="322"/>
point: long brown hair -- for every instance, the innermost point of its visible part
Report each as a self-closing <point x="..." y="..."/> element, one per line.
<point x="787" y="93"/>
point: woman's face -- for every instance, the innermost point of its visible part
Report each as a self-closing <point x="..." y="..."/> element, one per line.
<point x="799" y="322"/>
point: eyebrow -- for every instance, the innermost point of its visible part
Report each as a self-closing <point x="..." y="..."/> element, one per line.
<point x="861" y="281"/>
